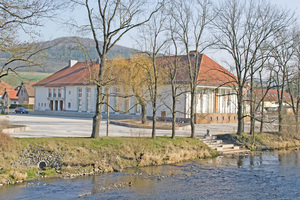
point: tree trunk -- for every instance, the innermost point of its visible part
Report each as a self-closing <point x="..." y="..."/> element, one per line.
<point x="252" y="118"/>
<point x="98" y="116"/>
<point x="262" y="117"/>
<point x="99" y="101"/>
<point x="280" y="119"/>
<point x="154" y="112"/>
<point x="173" y="115"/>
<point x="154" y="124"/>
<point x="154" y="97"/>
<point x="107" y="115"/>
<point x="240" y="114"/>
<point x="144" y="113"/>
<point x="144" y="109"/>
<point x="192" y="121"/>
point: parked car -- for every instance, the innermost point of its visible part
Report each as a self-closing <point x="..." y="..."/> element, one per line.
<point x="21" y="110"/>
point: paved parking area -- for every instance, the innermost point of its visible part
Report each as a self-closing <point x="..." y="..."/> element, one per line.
<point x="59" y="126"/>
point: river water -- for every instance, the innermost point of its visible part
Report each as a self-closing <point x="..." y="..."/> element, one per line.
<point x="271" y="175"/>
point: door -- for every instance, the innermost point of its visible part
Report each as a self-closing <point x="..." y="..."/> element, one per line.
<point x="61" y="105"/>
<point x="51" y="105"/>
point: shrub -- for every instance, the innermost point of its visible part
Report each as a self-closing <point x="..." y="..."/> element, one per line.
<point x="4" y="123"/>
<point x="6" y="142"/>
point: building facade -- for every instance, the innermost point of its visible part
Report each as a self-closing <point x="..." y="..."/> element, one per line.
<point x="72" y="90"/>
<point x="26" y="93"/>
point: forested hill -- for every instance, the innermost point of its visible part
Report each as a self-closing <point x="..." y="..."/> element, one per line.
<point x="75" y="48"/>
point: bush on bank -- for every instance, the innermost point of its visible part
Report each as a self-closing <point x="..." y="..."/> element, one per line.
<point x="264" y="141"/>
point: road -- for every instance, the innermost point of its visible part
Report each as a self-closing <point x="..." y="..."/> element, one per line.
<point x="59" y="126"/>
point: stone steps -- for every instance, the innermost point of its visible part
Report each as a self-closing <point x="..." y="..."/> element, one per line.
<point x="221" y="147"/>
<point x="239" y="151"/>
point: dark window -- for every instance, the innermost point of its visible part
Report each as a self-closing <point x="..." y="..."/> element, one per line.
<point x="50" y="93"/>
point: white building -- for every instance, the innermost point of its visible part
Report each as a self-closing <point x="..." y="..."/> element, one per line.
<point x="72" y="90"/>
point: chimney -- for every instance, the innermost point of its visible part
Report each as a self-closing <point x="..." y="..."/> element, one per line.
<point x="193" y="53"/>
<point x="72" y="63"/>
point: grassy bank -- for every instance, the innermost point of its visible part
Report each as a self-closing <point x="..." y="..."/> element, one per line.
<point x="264" y="141"/>
<point x="20" y="159"/>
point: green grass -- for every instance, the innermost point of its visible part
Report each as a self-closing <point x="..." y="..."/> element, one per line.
<point x="31" y="174"/>
<point x="16" y="79"/>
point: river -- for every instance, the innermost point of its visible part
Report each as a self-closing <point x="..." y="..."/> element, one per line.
<point x="268" y="175"/>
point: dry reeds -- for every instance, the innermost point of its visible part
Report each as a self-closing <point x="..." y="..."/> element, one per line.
<point x="6" y="142"/>
<point x="4" y="123"/>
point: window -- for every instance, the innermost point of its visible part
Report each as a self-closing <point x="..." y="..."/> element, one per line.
<point x="69" y="91"/>
<point x="69" y="105"/>
<point x="88" y="99"/>
<point x="79" y="104"/>
<point x="59" y="92"/>
<point x="79" y="92"/>
<point x="50" y="93"/>
<point x="79" y="99"/>
<point x="54" y="92"/>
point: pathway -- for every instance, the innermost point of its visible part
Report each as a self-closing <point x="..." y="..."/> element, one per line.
<point x="61" y="126"/>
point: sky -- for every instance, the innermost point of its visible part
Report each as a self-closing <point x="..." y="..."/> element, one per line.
<point x="55" y="29"/>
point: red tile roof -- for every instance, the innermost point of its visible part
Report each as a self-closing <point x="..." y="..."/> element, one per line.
<point x="272" y="95"/>
<point x="79" y="74"/>
<point x="5" y="86"/>
<point x="210" y="73"/>
<point x="82" y="73"/>
<point x="12" y="94"/>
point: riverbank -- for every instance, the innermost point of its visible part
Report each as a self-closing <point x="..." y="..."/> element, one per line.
<point x="264" y="141"/>
<point x="32" y="158"/>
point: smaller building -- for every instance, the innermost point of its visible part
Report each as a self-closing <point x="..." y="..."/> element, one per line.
<point x="26" y="93"/>
<point x="271" y="99"/>
<point x="10" y="97"/>
<point x="4" y="86"/>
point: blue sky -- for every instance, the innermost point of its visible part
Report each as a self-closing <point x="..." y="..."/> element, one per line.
<point x="52" y="30"/>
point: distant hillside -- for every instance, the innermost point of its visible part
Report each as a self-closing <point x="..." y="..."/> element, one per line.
<point x="75" y="48"/>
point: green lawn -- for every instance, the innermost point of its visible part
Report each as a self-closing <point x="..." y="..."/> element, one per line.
<point x="16" y="79"/>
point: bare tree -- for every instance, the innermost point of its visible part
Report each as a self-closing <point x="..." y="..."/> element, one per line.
<point x="294" y="81"/>
<point x="282" y="51"/>
<point x="173" y="69"/>
<point x="241" y="29"/>
<point x="265" y="84"/>
<point x="16" y="17"/>
<point x="192" y="18"/>
<point x="109" y="21"/>
<point x="151" y="42"/>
